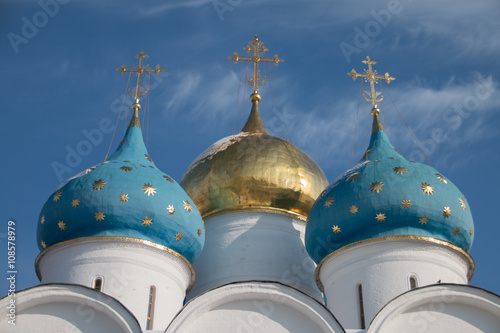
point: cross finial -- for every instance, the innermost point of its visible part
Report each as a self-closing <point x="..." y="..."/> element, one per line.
<point x="139" y="70"/>
<point x="371" y="76"/>
<point x="256" y="46"/>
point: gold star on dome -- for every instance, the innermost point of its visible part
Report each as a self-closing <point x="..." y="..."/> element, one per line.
<point x="427" y="188"/>
<point x="405" y="203"/>
<point x="178" y="236"/>
<point x="148" y="189"/>
<point x="424" y="219"/>
<point x="336" y="229"/>
<point x="462" y="203"/>
<point x="99" y="216"/>
<point x="376" y="186"/>
<point x="99" y="184"/>
<point x="61" y="225"/>
<point x="353" y="177"/>
<point x="380" y="217"/>
<point x="147" y="221"/>
<point x="168" y="179"/>
<point x="329" y="201"/>
<point x="42" y="219"/>
<point x="148" y="158"/>
<point x="57" y="196"/>
<point x="446" y="212"/>
<point x="123" y="197"/>
<point x="187" y="206"/>
<point x="441" y="178"/>
<point x="44" y="245"/>
<point x="365" y="155"/>
<point x="126" y="168"/>
<point x="171" y="209"/>
<point x="353" y="209"/>
<point x="400" y="170"/>
<point x="456" y="231"/>
<point x="471" y="231"/>
<point x="199" y="231"/>
<point x="75" y="202"/>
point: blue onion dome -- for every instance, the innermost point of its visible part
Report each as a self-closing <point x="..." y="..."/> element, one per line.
<point x="254" y="170"/>
<point x="127" y="197"/>
<point x="386" y="195"/>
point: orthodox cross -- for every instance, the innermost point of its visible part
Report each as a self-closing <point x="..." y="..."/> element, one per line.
<point x="371" y="76"/>
<point x="256" y="46"/>
<point x="140" y="70"/>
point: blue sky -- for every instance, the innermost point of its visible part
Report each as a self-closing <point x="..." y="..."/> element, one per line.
<point x="59" y="82"/>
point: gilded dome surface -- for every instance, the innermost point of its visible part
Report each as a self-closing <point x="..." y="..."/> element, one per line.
<point x="386" y="195"/>
<point x="254" y="170"/>
<point x="124" y="197"/>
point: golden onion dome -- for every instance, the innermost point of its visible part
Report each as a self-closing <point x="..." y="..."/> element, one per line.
<point x="254" y="170"/>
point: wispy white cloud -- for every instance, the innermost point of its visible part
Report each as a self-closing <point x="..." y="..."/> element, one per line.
<point x="143" y="9"/>
<point x="463" y="27"/>
<point x="464" y="37"/>
<point x="205" y="96"/>
<point x="444" y="118"/>
<point x="326" y="131"/>
<point x="160" y="8"/>
<point x="183" y="91"/>
<point x="447" y="106"/>
<point x="63" y="67"/>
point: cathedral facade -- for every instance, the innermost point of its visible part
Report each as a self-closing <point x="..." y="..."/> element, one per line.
<point x="254" y="239"/>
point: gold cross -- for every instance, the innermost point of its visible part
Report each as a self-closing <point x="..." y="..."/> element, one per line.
<point x="256" y="46"/>
<point x="371" y="76"/>
<point x="140" y="70"/>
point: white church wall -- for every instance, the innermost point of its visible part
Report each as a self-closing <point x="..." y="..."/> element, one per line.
<point x="68" y="309"/>
<point x="244" y="246"/>
<point x="440" y="308"/>
<point x="128" y="270"/>
<point x="252" y="307"/>
<point x="383" y="268"/>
